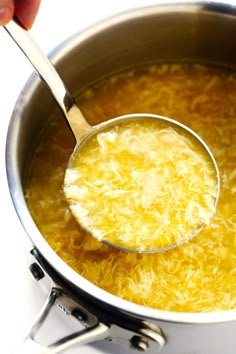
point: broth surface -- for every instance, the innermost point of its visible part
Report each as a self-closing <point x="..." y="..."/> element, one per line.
<point x="199" y="276"/>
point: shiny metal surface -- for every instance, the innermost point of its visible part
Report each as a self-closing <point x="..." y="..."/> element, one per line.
<point x="179" y="31"/>
<point x="31" y="346"/>
<point x="50" y="77"/>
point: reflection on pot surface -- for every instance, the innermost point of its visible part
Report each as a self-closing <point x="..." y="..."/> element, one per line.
<point x="199" y="276"/>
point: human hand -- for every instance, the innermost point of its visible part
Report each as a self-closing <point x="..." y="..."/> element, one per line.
<point x="24" y="10"/>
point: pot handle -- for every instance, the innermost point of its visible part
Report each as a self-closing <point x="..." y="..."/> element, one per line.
<point x="31" y="346"/>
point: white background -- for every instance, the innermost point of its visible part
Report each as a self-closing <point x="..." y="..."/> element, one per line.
<point x="20" y="296"/>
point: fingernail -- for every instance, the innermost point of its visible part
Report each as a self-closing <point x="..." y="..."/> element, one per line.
<point x="5" y="15"/>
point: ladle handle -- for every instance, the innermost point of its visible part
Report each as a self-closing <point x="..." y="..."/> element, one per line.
<point x="51" y="78"/>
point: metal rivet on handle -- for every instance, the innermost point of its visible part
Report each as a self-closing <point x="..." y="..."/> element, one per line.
<point x="139" y="343"/>
<point x="36" y="271"/>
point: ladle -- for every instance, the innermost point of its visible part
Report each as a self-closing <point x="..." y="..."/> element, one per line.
<point x="82" y="131"/>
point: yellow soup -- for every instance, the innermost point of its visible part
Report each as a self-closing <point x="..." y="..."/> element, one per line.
<point x="198" y="276"/>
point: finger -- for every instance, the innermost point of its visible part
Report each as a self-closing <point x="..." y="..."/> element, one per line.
<point x="6" y="11"/>
<point x="26" y="11"/>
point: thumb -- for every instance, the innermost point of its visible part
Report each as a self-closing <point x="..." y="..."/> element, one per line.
<point x="26" y="11"/>
<point x="6" y="11"/>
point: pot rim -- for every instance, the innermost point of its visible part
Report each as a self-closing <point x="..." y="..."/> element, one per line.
<point x="16" y="191"/>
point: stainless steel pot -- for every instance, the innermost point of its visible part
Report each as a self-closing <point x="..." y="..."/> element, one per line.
<point x="201" y="31"/>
